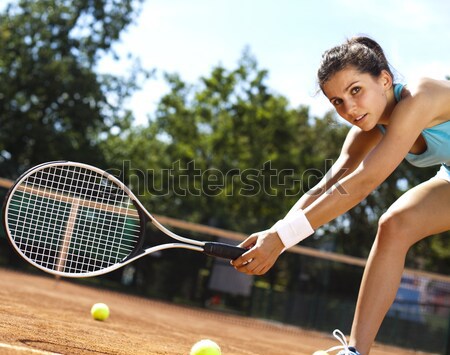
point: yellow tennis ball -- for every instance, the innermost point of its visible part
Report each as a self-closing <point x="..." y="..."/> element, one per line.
<point x="100" y="311"/>
<point x="320" y="352"/>
<point x="205" y="347"/>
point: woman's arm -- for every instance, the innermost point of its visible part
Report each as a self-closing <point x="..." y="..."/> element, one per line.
<point x="268" y="245"/>
<point x="356" y="146"/>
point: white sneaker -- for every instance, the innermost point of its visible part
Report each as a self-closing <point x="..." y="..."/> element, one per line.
<point x="344" y="348"/>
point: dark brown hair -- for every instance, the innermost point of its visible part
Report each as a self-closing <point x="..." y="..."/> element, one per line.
<point x="363" y="53"/>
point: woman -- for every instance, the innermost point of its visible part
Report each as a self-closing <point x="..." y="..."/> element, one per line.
<point x="390" y="122"/>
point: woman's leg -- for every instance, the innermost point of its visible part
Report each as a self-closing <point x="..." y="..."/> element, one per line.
<point x="420" y="212"/>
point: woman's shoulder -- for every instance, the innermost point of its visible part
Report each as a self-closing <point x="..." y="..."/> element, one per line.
<point x="432" y="94"/>
<point x="425" y="86"/>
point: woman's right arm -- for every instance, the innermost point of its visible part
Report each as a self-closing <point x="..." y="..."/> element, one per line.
<point x="356" y="146"/>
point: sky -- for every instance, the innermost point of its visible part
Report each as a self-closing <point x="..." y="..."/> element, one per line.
<point x="287" y="38"/>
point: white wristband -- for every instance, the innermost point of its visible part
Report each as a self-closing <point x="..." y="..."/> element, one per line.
<point x="293" y="229"/>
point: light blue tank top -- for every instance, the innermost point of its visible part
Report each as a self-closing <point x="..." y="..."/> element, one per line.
<point x="437" y="139"/>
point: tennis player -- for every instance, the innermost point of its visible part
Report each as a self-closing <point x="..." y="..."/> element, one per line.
<point x="390" y="122"/>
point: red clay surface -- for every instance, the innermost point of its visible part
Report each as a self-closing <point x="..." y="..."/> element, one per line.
<point x="41" y="315"/>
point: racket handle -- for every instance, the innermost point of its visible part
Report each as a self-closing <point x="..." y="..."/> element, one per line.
<point x="223" y="250"/>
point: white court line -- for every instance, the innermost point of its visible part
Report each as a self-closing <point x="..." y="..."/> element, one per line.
<point x="30" y="350"/>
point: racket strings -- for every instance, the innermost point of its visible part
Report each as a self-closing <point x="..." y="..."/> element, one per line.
<point x="69" y="222"/>
<point x="73" y="219"/>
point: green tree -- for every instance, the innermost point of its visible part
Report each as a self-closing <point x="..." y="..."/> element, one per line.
<point x="53" y="105"/>
<point x="241" y="145"/>
<point x="227" y="152"/>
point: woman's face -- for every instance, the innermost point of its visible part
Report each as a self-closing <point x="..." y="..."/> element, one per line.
<point x="360" y="98"/>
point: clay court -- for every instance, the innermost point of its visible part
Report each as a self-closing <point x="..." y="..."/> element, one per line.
<point x="42" y="315"/>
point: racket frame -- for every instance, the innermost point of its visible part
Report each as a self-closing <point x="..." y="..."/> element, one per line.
<point x="144" y="216"/>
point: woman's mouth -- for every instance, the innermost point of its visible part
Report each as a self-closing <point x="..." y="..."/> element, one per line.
<point x="359" y="118"/>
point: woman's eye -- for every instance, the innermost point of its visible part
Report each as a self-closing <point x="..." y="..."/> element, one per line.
<point x="356" y="89"/>
<point x="336" y="102"/>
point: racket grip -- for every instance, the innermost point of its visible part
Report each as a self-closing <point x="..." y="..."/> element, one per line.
<point x="223" y="250"/>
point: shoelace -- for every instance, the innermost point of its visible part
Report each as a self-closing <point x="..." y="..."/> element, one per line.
<point x="341" y="337"/>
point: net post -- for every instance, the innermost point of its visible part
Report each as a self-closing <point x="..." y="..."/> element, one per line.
<point x="64" y="248"/>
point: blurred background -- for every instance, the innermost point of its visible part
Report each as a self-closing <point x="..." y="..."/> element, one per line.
<point x="209" y="111"/>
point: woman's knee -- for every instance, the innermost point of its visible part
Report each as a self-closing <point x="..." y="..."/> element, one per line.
<point x="394" y="230"/>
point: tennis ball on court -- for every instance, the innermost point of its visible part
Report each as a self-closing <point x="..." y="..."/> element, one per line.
<point x="320" y="352"/>
<point x="100" y="311"/>
<point x="205" y="347"/>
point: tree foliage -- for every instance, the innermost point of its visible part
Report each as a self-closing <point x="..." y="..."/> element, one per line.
<point x="235" y="154"/>
<point x="53" y="104"/>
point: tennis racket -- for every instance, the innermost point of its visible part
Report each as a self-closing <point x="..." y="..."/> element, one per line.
<point x="75" y="220"/>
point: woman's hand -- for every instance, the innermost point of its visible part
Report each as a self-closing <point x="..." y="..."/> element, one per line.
<point x="264" y="249"/>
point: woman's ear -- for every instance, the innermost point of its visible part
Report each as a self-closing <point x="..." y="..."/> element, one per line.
<point x="386" y="79"/>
